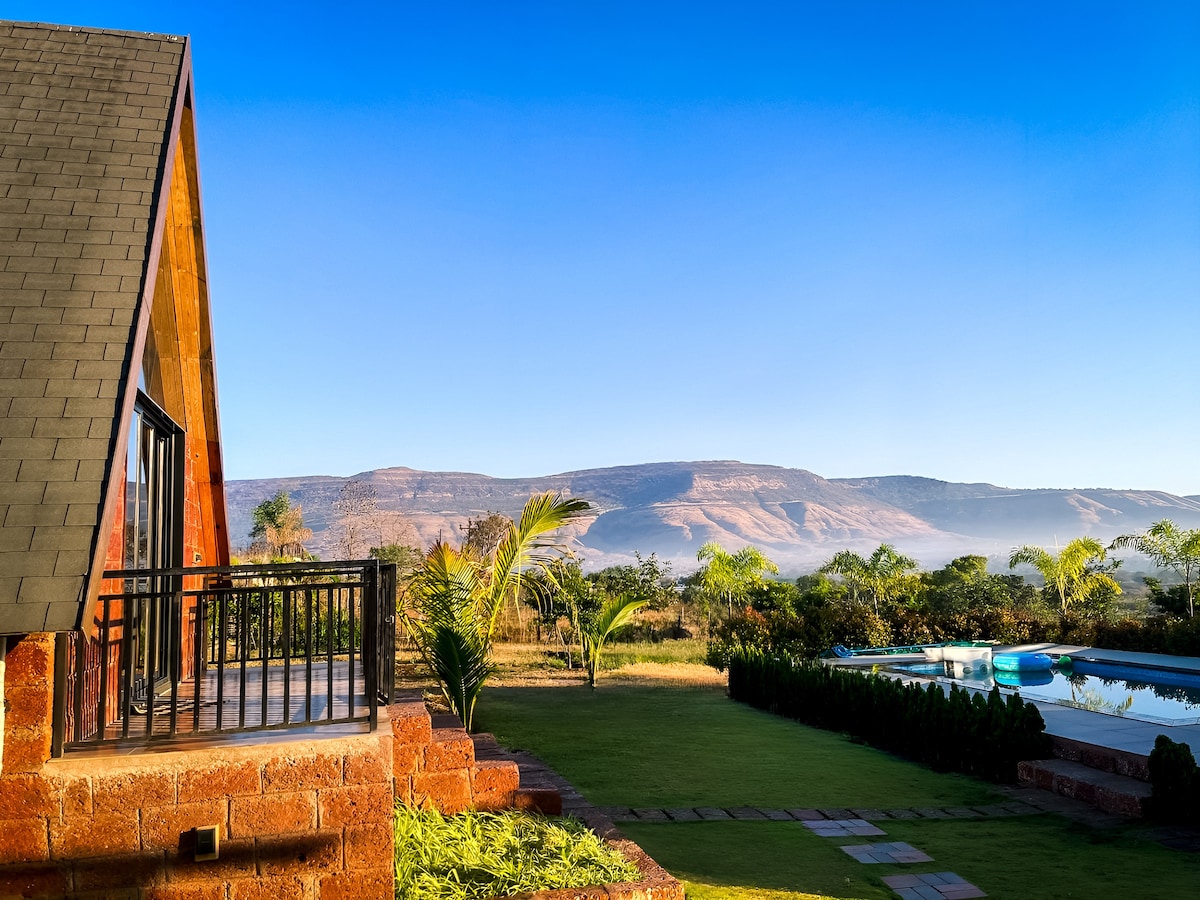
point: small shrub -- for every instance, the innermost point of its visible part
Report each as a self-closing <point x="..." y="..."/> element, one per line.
<point x="480" y="855"/>
<point x="1174" y="782"/>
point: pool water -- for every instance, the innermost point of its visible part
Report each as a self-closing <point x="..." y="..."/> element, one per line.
<point x="1163" y="697"/>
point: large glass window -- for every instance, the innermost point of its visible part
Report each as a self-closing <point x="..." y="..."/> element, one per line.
<point x="153" y="535"/>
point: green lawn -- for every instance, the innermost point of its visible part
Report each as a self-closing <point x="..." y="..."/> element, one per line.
<point x="662" y="746"/>
<point x="647" y="746"/>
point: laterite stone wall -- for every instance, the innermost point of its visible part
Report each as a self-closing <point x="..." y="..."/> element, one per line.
<point x="305" y="819"/>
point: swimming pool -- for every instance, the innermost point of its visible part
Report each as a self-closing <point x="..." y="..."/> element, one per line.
<point x="1160" y="696"/>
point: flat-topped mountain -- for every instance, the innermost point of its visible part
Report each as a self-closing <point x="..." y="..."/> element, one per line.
<point x="797" y="517"/>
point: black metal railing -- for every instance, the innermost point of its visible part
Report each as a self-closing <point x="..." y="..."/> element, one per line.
<point x="181" y="653"/>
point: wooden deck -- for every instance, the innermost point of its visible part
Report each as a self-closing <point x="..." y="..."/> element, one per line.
<point x="292" y="696"/>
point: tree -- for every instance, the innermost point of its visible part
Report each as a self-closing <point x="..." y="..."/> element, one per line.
<point x="483" y="535"/>
<point x="649" y="580"/>
<point x="615" y="614"/>
<point x="459" y="594"/>
<point x="361" y="523"/>
<point x="727" y="575"/>
<point x="280" y="526"/>
<point x="1169" y="547"/>
<point x="882" y="575"/>
<point x="1070" y="574"/>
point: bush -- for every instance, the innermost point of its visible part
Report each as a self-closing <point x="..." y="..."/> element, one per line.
<point x="956" y="731"/>
<point x="478" y="855"/>
<point x="1174" y="782"/>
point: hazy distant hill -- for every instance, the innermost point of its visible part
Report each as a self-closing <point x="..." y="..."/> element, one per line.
<point x="797" y="517"/>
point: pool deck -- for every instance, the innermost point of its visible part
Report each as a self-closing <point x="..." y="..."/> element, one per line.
<point x="1100" y="729"/>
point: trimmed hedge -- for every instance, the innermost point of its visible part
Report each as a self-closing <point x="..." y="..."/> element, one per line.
<point x="957" y="731"/>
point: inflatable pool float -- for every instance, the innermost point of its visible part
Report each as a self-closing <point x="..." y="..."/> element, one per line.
<point x="1021" y="662"/>
<point x="1027" y="678"/>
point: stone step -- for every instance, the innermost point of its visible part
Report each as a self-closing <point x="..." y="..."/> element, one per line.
<point x="1106" y="759"/>
<point x="538" y="789"/>
<point x="1106" y="791"/>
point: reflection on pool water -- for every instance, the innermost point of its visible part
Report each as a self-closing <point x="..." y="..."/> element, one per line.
<point x="1161" y="696"/>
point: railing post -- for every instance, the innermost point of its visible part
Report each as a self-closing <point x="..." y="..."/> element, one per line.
<point x="59" y="728"/>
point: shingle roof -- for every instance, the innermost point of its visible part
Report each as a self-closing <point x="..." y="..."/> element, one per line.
<point x="85" y="121"/>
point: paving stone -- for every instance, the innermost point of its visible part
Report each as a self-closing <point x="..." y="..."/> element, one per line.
<point x="994" y="810"/>
<point x="712" y="812"/>
<point x="805" y="815"/>
<point x="836" y="813"/>
<point x="871" y="814"/>
<point x="962" y="812"/>
<point x="618" y="813"/>
<point x="902" y="814"/>
<point x="933" y="886"/>
<point x="683" y="815"/>
<point x="893" y="852"/>
<point x="931" y="812"/>
<point x="745" y="812"/>
<point x="777" y="815"/>
<point x="651" y="815"/>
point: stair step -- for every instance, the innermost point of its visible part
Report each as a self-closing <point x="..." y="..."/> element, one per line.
<point x="1106" y="791"/>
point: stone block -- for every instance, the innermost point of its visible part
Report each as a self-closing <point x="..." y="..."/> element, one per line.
<point x="170" y="827"/>
<point x="27" y="796"/>
<point x="369" y="884"/>
<point x="132" y="789"/>
<point x="220" y="780"/>
<point x="34" y="881"/>
<point x="237" y="860"/>
<point x="367" y="845"/>
<point x="407" y="758"/>
<point x="366" y="804"/>
<point x="272" y="814"/>
<point x="541" y="800"/>
<point x="23" y="841"/>
<point x="31" y="662"/>
<point x="367" y="768"/>
<point x="128" y="871"/>
<point x="495" y="775"/>
<point x="313" y="852"/>
<point x="187" y="891"/>
<point x="302" y="773"/>
<point x="272" y="887"/>
<point x="450" y="748"/>
<point x="410" y="723"/>
<point x="109" y="834"/>
<point x="76" y="796"/>
<point x="26" y="750"/>
<point x="447" y="792"/>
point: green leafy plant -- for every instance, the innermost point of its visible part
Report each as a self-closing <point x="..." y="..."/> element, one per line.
<point x="479" y="855"/>
<point x="615" y="614"/>
<point x="458" y="595"/>
<point x="1069" y="574"/>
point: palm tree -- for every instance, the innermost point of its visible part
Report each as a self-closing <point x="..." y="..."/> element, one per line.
<point x="616" y="613"/>
<point x="882" y="575"/>
<point x="459" y="594"/>
<point x="1069" y="571"/>
<point x="1169" y="547"/>
<point x="727" y="575"/>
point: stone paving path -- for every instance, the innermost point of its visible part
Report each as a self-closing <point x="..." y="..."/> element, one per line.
<point x="933" y="886"/>
<point x="834" y="817"/>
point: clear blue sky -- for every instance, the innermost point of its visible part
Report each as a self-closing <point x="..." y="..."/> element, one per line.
<point x="953" y="239"/>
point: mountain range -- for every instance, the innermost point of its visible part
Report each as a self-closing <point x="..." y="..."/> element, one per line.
<point x="798" y="518"/>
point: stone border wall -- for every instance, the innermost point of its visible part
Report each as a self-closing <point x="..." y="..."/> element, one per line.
<point x="298" y="819"/>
